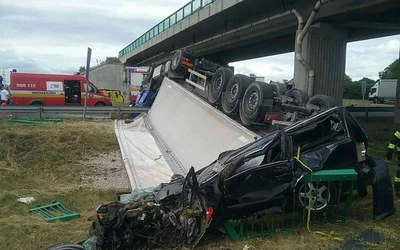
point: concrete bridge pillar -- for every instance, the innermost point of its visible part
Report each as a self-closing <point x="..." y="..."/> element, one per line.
<point x="324" y="48"/>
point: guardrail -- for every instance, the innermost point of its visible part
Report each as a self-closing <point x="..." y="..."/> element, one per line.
<point x="368" y="110"/>
<point x="187" y="10"/>
<point x="41" y="110"/>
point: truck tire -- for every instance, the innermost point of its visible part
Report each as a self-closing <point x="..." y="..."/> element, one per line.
<point x="323" y="101"/>
<point x="301" y="97"/>
<point x="234" y="93"/>
<point x="253" y="99"/>
<point x="218" y="84"/>
<point x="279" y="88"/>
<point x="176" y="60"/>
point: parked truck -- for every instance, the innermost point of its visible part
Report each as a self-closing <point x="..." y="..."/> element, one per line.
<point x="383" y="91"/>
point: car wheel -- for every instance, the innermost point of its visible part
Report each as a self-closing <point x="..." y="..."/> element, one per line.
<point x="253" y="99"/>
<point x="234" y="93"/>
<point x="279" y="88"/>
<point x="100" y="104"/>
<point x="37" y="103"/>
<point x="300" y="96"/>
<point x="321" y="194"/>
<point x="323" y="102"/>
<point x="218" y="84"/>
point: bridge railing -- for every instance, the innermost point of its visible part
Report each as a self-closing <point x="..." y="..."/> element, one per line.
<point x="187" y="10"/>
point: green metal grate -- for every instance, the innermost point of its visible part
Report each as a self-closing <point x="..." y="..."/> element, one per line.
<point x="290" y="217"/>
<point x="35" y="121"/>
<point x="54" y="211"/>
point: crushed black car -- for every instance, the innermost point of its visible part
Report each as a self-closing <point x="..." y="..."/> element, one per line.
<point x="249" y="181"/>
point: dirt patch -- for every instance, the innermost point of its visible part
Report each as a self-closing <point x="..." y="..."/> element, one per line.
<point x="105" y="171"/>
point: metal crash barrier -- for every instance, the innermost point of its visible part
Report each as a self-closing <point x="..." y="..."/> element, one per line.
<point x="292" y="215"/>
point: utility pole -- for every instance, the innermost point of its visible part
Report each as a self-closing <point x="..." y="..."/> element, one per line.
<point x="89" y="55"/>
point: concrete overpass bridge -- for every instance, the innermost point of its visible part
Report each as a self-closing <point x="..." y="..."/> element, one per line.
<point x="232" y="30"/>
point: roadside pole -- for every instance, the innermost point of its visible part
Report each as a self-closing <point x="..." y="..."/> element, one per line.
<point x="89" y="55"/>
<point x="363" y="92"/>
<point x="397" y="110"/>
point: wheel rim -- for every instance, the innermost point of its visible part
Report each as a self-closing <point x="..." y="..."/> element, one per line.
<point x="253" y="100"/>
<point x="234" y="91"/>
<point x="218" y="83"/>
<point x="319" y="197"/>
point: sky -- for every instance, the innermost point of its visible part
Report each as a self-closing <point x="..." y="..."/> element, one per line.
<point x="52" y="36"/>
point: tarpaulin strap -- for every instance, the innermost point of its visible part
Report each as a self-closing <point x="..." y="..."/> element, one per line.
<point x="391" y="146"/>
<point x="397" y="134"/>
<point x="331" y="234"/>
<point x="302" y="163"/>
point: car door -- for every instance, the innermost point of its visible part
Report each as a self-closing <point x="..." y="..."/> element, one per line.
<point x="258" y="189"/>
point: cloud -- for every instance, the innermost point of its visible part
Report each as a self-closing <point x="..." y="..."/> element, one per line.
<point x="275" y="68"/>
<point x="53" y="36"/>
<point x="367" y="58"/>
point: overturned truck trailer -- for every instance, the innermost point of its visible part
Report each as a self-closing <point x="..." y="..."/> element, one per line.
<point x="222" y="171"/>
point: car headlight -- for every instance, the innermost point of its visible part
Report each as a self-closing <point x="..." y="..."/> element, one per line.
<point x="361" y="152"/>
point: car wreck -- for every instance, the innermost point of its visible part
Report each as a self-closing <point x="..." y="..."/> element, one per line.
<point x="250" y="181"/>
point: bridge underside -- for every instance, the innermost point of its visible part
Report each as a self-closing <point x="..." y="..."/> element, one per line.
<point x="235" y="35"/>
<point x="244" y="31"/>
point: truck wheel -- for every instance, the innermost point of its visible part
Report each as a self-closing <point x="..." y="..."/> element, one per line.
<point x="323" y="102"/>
<point x="234" y="93"/>
<point x="279" y="88"/>
<point x="37" y="103"/>
<point x="300" y="96"/>
<point x="253" y="99"/>
<point x="218" y="84"/>
<point x="176" y="60"/>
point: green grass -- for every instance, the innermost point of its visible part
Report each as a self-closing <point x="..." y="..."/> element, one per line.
<point x="43" y="161"/>
<point x="366" y="103"/>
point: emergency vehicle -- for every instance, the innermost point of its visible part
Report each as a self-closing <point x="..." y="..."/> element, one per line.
<point x="136" y="76"/>
<point x="54" y="90"/>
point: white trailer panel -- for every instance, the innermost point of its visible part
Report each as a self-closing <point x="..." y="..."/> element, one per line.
<point x="192" y="132"/>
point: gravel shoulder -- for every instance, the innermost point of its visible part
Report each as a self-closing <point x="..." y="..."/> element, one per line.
<point x="105" y="171"/>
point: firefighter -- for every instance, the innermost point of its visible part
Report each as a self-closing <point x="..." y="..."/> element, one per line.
<point x="395" y="144"/>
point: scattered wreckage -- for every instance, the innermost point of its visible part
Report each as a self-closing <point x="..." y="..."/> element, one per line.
<point x="247" y="182"/>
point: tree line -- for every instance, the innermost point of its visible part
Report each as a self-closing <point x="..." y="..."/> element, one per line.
<point x="352" y="89"/>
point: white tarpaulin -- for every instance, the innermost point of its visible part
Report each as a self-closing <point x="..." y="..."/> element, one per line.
<point x="143" y="160"/>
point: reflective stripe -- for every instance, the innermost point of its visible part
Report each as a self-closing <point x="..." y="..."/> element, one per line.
<point x="397" y="134"/>
<point x="391" y="146"/>
<point x="396" y="179"/>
